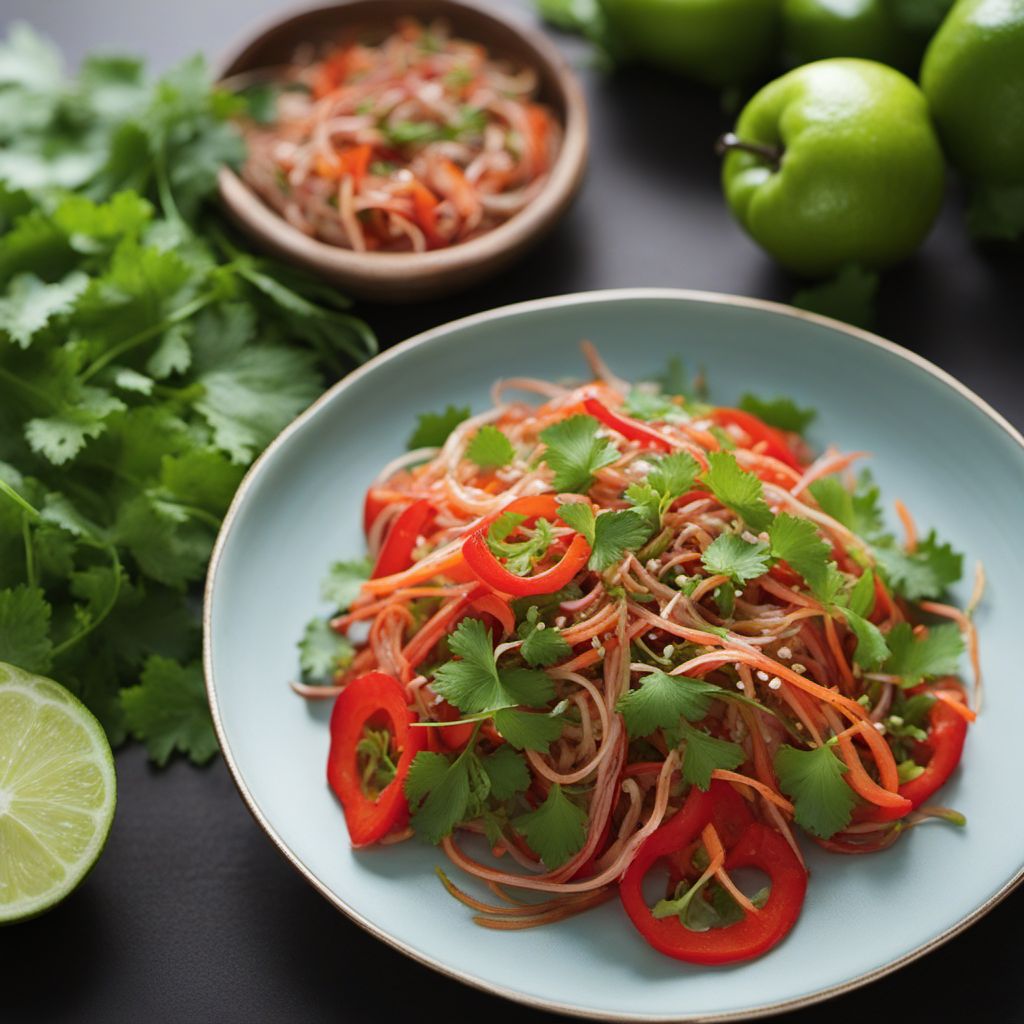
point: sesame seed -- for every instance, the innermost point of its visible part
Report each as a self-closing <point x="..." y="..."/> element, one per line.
<point x="738" y="593"/>
<point x="797" y="667"/>
<point x="668" y="651"/>
<point x="763" y="676"/>
<point x="560" y="621"/>
<point x="541" y="625"/>
<point x="595" y="642"/>
<point x="740" y="684"/>
<point x="680" y="581"/>
<point x="653" y="565"/>
<point x="775" y="684"/>
<point x="601" y="650"/>
<point x="880" y="726"/>
<point x="785" y="652"/>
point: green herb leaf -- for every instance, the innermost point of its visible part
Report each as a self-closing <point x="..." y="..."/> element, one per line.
<point x="521" y="556"/>
<point x="850" y="295"/>
<point x="797" y="542"/>
<point x="490" y="448"/>
<point x="661" y="700"/>
<point x="859" y="510"/>
<point x="556" y="830"/>
<point x="542" y="645"/>
<point x="343" y="581"/>
<point x="322" y="651"/>
<point x="813" y="780"/>
<point x="739" y="490"/>
<point x="168" y="711"/>
<point x="925" y="573"/>
<point x="507" y="773"/>
<point x="474" y="683"/>
<point x="912" y="658"/>
<point x="25" y="628"/>
<point x="703" y="754"/>
<point x="872" y="648"/>
<point x="526" y="730"/>
<point x="575" y="452"/>
<point x="438" y="792"/>
<point x="433" y="428"/>
<point x="782" y="413"/>
<point x="730" y="555"/>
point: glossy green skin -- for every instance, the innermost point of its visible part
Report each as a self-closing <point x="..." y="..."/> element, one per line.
<point x="861" y="176"/>
<point x="973" y="76"/>
<point x="873" y="29"/>
<point x="716" y="42"/>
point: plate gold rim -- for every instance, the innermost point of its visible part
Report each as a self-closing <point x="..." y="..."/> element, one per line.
<point x="426" y="337"/>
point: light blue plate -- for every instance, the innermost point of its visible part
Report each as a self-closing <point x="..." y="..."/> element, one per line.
<point x="935" y="445"/>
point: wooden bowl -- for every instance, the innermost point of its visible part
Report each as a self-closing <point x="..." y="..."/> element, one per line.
<point x="405" y="277"/>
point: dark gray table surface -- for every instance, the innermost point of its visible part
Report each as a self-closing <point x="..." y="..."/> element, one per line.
<point x="191" y="915"/>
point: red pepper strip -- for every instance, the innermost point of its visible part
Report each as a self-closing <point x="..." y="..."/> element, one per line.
<point x="376" y="700"/>
<point x="491" y="572"/>
<point x="396" y="552"/>
<point x="633" y="429"/>
<point x="750" y="844"/>
<point x="372" y="507"/>
<point x="453" y="737"/>
<point x="498" y="609"/>
<point x="947" y="731"/>
<point x="774" y="441"/>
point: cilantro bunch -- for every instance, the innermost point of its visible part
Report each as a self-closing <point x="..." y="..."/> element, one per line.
<point x="145" y="360"/>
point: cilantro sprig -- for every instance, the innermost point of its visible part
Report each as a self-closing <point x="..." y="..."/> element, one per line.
<point x="813" y="780"/>
<point x="575" y="453"/>
<point x="610" y="534"/>
<point x="145" y="360"/>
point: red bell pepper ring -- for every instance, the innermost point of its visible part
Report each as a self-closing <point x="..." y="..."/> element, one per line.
<point x="748" y="844"/>
<point x="376" y="700"/>
<point x="627" y="427"/>
<point x="491" y="572"/>
<point x="945" y="743"/>
<point x="774" y="441"/>
<point x="400" y="542"/>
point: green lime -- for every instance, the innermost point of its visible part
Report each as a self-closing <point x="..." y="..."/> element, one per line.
<point x="57" y="793"/>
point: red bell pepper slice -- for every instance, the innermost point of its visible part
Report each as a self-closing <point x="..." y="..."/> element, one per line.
<point x="396" y="552"/>
<point x="749" y="844"/>
<point x="490" y="571"/>
<point x="945" y="743"/>
<point x="627" y="427"/>
<point x="376" y="700"/>
<point x="774" y="440"/>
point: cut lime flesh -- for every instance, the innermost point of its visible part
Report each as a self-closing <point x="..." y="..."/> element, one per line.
<point x="57" y="793"/>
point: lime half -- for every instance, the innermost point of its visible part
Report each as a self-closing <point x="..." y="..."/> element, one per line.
<point x="57" y="793"/>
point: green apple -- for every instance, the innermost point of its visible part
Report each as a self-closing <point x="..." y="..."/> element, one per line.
<point x="835" y="163"/>
<point x="973" y="76"/>
<point x="716" y="42"/>
<point x="891" y="31"/>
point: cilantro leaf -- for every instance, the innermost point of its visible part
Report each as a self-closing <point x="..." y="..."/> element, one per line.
<point x="615" y="533"/>
<point x="924" y="573"/>
<point x="322" y="651"/>
<point x="813" y="780"/>
<point x="738" y="490"/>
<point x="542" y="645"/>
<point x="474" y="683"/>
<point x="433" y="428"/>
<point x="858" y="511"/>
<point x="168" y="711"/>
<point x="581" y="517"/>
<point x="526" y="730"/>
<point x="520" y="555"/>
<point x="796" y="541"/>
<point x="343" y="581"/>
<point x="872" y="648"/>
<point x="507" y="772"/>
<point x="643" y="405"/>
<point x="438" y="792"/>
<point x="646" y="503"/>
<point x="730" y="555"/>
<point x="661" y="700"/>
<point x="913" y="658"/>
<point x="861" y="600"/>
<point x="782" y="413"/>
<point x="704" y="753"/>
<point x="575" y="452"/>
<point x="490" y="448"/>
<point x="30" y="304"/>
<point x="25" y="628"/>
<point x="556" y="830"/>
<point x="672" y="476"/>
